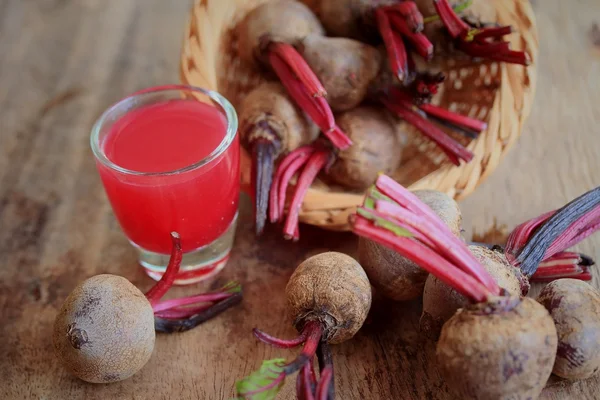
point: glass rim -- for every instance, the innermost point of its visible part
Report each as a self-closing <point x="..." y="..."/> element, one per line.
<point x="226" y="106"/>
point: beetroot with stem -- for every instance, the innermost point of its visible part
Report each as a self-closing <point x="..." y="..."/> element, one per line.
<point x="268" y="35"/>
<point x="105" y="329"/>
<point x="478" y="42"/>
<point x="395" y="276"/>
<point x="271" y="125"/>
<point x="553" y="232"/>
<point x="516" y="336"/>
<point x="392" y="21"/>
<point x="575" y="307"/>
<point x="328" y="297"/>
<point x="378" y="144"/>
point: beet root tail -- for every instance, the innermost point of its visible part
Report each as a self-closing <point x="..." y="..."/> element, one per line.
<point x="263" y="159"/>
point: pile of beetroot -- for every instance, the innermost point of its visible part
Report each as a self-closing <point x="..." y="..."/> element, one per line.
<point x="347" y="80"/>
<point x="493" y="342"/>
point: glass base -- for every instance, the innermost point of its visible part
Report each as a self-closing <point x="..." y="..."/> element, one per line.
<point x="197" y="265"/>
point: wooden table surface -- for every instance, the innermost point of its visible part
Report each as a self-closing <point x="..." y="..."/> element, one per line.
<point x="63" y="61"/>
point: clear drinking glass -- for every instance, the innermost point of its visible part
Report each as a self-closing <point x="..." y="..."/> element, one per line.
<point x="199" y="200"/>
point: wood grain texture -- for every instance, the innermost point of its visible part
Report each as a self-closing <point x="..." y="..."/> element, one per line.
<point x="64" y="61"/>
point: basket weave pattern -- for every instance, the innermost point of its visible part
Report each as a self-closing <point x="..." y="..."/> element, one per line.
<point x="500" y="94"/>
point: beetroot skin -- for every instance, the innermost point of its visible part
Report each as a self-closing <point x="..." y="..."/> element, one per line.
<point x="575" y="307"/>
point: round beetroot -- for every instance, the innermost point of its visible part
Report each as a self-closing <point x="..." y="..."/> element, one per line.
<point x="501" y="349"/>
<point x="104" y="331"/>
<point x="575" y="308"/>
<point x="440" y="301"/>
<point x="395" y="276"/>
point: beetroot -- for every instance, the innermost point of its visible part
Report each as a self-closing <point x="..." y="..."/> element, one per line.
<point x="104" y="331"/>
<point x="271" y="125"/>
<point x="395" y="276"/>
<point x="501" y="346"/>
<point x="378" y="143"/>
<point x="440" y="301"/>
<point x="346" y="68"/>
<point x="267" y="35"/>
<point x="575" y="308"/>
<point x="328" y="297"/>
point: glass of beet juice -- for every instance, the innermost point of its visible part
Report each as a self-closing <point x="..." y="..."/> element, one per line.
<point x="169" y="160"/>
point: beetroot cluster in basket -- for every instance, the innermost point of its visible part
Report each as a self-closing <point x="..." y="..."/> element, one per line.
<point x="345" y="83"/>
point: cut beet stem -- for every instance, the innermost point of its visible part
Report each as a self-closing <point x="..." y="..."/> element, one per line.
<point x="166" y="281"/>
<point x="317" y="161"/>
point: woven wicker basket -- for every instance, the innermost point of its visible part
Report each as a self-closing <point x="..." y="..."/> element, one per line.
<point x="500" y="94"/>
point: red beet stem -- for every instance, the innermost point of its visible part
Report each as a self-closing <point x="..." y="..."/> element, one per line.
<point x="569" y="224"/>
<point x="403" y="198"/>
<point x="317" y="108"/>
<point x="182" y="312"/>
<point x="493" y="32"/>
<point x="393" y="44"/>
<point x="408" y="10"/>
<point x="307" y="389"/>
<point x="448" y="245"/>
<point x="584" y="276"/>
<point x="184" y="301"/>
<point x="300" y="386"/>
<point x="166" y="281"/>
<point x="315" y="163"/>
<point x="453" y="23"/>
<point x="338" y="138"/>
<point x="454" y="118"/>
<point x="520" y="235"/>
<point x="299" y="158"/>
<point x="324" y="383"/>
<point x="263" y="159"/>
<point x="421" y="43"/>
<point x="301" y="69"/>
<point x="274" y="209"/>
<point x="281" y="343"/>
<point x="424" y="257"/>
<point x="454" y="150"/>
<point x="299" y="93"/>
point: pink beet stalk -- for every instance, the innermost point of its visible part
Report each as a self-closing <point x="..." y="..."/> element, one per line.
<point x="394" y="45"/>
<point x="454" y="150"/>
<point x="454" y="118"/>
<point x="543" y="237"/>
<point x="300" y="68"/>
<point x="284" y="173"/>
<point x="281" y="343"/>
<point x="409" y="13"/>
<point x="423" y="256"/>
<point x="421" y="43"/>
<point x="317" y="108"/>
<point x="315" y="163"/>
<point x="474" y="41"/>
<point x="408" y="209"/>
<point x="166" y="281"/>
<point x="174" y="315"/>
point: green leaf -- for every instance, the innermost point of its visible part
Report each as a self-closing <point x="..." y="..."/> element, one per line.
<point x="267" y="375"/>
<point x="232" y="287"/>
<point x="383" y="223"/>
<point x="458" y="8"/>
